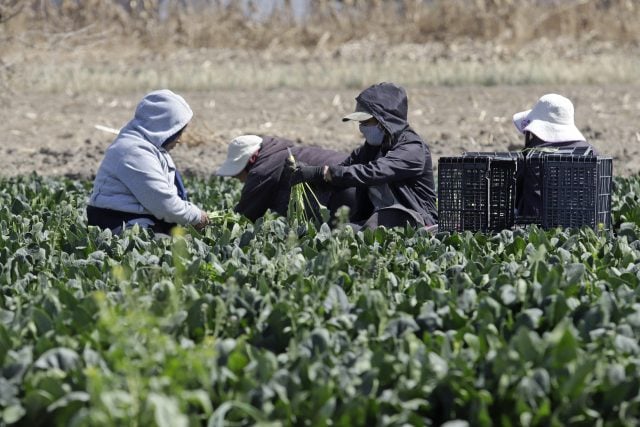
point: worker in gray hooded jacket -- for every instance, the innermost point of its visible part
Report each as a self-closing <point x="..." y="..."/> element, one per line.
<point x="392" y="170"/>
<point x="137" y="181"/>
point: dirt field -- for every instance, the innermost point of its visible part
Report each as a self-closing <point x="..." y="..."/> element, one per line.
<point x="467" y="66"/>
<point x="56" y="134"/>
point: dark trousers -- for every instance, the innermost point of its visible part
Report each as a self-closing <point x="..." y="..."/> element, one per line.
<point x="112" y="219"/>
<point x="391" y="217"/>
<point x="341" y="197"/>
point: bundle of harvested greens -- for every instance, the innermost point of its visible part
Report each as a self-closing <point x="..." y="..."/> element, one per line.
<point x="224" y="217"/>
<point x="303" y="200"/>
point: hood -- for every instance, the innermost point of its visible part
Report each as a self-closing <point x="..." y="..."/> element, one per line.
<point x="388" y="103"/>
<point x="159" y="116"/>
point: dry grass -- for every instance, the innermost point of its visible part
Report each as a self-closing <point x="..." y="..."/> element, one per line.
<point x="100" y="45"/>
<point x="508" y="22"/>
<point x="219" y="69"/>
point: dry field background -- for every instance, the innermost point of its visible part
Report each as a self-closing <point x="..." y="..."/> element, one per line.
<point x="467" y="66"/>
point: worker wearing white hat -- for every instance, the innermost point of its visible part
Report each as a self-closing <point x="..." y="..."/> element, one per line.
<point x="258" y="161"/>
<point x="548" y="125"/>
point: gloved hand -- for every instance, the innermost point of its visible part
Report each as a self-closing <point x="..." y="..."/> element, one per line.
<point x="312" y="174"/>
<point x="290" y="165"/>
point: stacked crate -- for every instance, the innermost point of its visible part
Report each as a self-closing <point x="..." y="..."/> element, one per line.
<point x="477" y="191"/>
<point x="576" y="189"/>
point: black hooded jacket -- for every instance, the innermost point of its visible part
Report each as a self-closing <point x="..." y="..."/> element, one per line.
<point x="268" y="184"/>
<point x="405" y="164"/>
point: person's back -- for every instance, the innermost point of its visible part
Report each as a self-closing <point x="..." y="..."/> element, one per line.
<point x="548" y="125"/>
<point x="259" y="163"/>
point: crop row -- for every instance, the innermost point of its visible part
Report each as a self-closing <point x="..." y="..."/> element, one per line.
<point x="288" y="323"/>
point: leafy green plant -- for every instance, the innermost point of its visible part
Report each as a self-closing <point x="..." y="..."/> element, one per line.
<point x="273" y="323"/>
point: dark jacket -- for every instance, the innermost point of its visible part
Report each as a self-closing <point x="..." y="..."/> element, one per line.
<point x="405" y="162"/>
<point x="529" y="181"/>
<point x="267" y="187"/>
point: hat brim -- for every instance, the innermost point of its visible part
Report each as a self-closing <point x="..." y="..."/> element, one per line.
<point x="358" y="116"/>
<point x="520" y="120"/>
<point x="232" y="167"/>
<point x="552" y="132"/>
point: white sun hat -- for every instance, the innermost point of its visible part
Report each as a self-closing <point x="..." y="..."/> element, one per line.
<point x="551" y="120"/>
<point x="238" y="154"/>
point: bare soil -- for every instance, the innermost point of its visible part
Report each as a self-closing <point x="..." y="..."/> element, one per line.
<point x="56" y="134"/>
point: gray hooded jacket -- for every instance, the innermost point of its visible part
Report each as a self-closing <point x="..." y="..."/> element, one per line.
<point x="137" y="175"/>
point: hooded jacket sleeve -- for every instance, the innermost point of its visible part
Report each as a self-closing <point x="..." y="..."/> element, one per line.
<point x="355" y="157"/>
<point x="148" y="182"/>
<point x="405" y="160"/>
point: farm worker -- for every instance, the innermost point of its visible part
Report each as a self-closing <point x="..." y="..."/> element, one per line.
<point x="258" y="161"/>
<point x="137" y="181"/>
<point x="392" y="169"/>
<point x="549" y="124"/>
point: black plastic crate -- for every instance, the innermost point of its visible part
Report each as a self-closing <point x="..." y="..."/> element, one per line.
<point x="476" y="192"/>
<point x="506" y="155"/>
<point x="530" y="206"/>
<point x="576" y="190"/>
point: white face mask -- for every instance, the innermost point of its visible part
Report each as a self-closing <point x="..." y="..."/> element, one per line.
<point x="373" y="134"/>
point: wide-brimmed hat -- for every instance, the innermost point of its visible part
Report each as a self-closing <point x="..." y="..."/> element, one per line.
<point x="360" y="115"/>
<point x="238" y="154"/>
<point x="551" y="120"/>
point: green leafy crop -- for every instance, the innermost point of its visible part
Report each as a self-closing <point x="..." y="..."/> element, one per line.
<point x="283" y="323"/>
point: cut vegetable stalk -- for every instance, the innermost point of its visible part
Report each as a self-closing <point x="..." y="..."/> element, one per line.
<point x="302" y="196"/>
